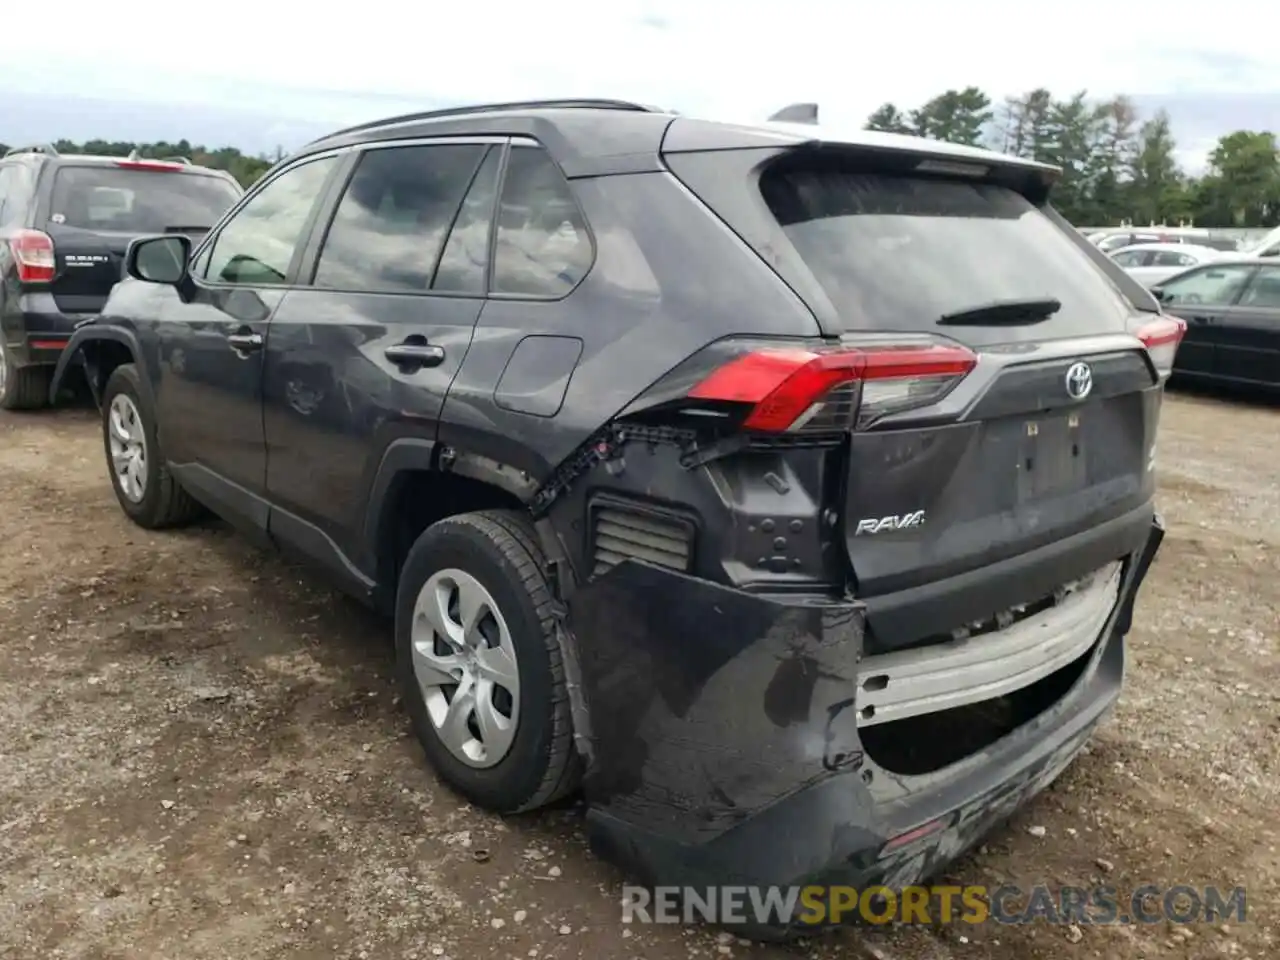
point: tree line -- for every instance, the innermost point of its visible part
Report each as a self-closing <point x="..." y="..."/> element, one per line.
<point x="1117" y="166"/>
<point x="244" y="167"/>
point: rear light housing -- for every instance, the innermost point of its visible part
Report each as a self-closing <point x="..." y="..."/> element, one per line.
<point x="1161" y="338"/>
<point x="158" y="165"/>
<point x="809" y="389"/>
<point x="32" y="252"/>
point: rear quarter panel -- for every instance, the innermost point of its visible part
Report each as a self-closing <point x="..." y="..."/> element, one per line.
<point x="668" y="278"/>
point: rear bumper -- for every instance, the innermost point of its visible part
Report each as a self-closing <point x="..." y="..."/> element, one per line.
<point x="36" y="331"/>
<point x="726" y="751"/>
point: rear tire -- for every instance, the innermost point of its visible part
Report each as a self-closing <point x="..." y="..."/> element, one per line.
<point x="145" y="489"/>
<point x="521" y="758"/>
<point x="22" y="388"/>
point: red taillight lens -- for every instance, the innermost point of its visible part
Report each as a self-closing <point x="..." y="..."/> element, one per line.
<point x="33" y="253"/>
<point x="1161" y="338"/>
<point x="819" y="390"/>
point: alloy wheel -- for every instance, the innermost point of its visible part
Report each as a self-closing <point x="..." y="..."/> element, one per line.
<point x="128" y="447"/>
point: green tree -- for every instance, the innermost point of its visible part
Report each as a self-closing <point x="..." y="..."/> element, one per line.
<point x="957" y="116"/>
<point x="1242" y="187"/>
<point x="245" y="168"/>
<point x="1157" y="190"/>
<point x="889" y="119"/>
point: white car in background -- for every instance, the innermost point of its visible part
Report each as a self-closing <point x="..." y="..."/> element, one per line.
<point x="1153" y="263"/>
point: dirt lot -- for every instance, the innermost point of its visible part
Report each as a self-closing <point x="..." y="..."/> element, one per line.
<point x="202" y="754"/>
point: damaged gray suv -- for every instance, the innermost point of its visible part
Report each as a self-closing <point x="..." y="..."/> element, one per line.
<point x="787" y="490"/>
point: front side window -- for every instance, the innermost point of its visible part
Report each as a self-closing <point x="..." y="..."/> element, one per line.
<point x="391" y="225"/>
<point x="1171" y="258"/>
<point x="1213" y="285"/>
<point x="543" y="248"/>
<point x="1130" y="258"/>
<point x="258" y="243"/>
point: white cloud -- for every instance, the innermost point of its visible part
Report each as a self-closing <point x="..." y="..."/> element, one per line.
<point x="741" y="59"/>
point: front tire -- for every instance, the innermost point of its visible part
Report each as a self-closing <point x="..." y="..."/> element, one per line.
<point x="22" y="388"/>
<point x="479" y="663"/>
<point x="145" y="489"/>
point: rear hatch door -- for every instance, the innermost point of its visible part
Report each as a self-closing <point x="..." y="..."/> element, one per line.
<point x="1047" y="438"/>
<point x="96" y="208"/>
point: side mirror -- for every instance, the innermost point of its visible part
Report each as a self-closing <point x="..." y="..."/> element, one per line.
<point x="1160" y="294"/>
<point x="158" y="259"/>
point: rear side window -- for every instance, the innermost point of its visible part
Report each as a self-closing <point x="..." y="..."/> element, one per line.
<point x="390" y="227"/>
<point x="896" y="253"/>
<point x="117" y="200"/>
<point x="1264" y="292"/>
<point x="543" y="248"/>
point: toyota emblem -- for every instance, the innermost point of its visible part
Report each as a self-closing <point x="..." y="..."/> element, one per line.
<point x="1079" y="381"/>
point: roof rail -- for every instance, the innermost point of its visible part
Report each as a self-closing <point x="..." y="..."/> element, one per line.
<point x="185" y="161"/>
<point x="46" y="148"/>
<point x="796" y="113"/>
<point x="578" y="104"/>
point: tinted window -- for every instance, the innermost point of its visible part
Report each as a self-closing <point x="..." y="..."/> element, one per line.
<point x="258" y="243"/>
<point x="466" y="255"/>
<point x="391" y="224"/>
<point x="899" y="252"/>
<point x="1264" y="292"/>
<point x="1169" y="258"/>
<point x="1216" y="285"/>
<point x="113" y="199"/>
<point x="542" y="248"/>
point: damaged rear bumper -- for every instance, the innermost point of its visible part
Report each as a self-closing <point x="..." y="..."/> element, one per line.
<point x="726" y="748"/>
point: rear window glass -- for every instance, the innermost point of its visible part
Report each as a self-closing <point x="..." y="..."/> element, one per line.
<point x="896" y="253"/>
<point x="112" y="199"/>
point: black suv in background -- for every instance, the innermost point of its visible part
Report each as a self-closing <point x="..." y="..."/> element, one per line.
<point x="791" y="489"/>
<point x="65" y="222"/>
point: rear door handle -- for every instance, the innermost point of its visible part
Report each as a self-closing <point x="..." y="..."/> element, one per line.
<point x="415" y="355"/>
<point x="1202" y="319"/>
<point x="245" y="342"/>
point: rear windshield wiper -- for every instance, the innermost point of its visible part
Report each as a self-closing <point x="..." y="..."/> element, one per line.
<point x="1003" y="313"/>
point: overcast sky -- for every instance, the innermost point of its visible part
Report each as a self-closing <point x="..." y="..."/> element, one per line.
<point x="735" y="58"/>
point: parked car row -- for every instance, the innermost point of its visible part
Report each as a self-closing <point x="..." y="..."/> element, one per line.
<point x="871" y="421"/>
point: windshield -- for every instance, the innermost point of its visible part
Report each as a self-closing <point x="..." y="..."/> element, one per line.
<point x="112" y="199"/>
<point x="899" y="252"/>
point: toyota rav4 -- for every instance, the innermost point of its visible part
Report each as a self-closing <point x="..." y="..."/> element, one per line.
<point x="788" y="489"/>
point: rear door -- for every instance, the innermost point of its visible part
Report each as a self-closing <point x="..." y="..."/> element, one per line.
<point x="93" y="209"/>
<point x="1250" y="331"/>
<point x="366" y="351"/>
<point x="1200" y="297"/>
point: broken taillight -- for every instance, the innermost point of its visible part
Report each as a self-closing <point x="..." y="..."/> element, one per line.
<point x="1161" y="338"/>
<point x="820" y="389"/>
<point x="32" y="252"/>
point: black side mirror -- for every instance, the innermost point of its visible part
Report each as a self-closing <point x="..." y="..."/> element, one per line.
<point x="158" y="259"/>
<point x="1160" y="294"/>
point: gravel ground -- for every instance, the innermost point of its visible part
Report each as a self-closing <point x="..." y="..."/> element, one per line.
<point x="202" y="754"/>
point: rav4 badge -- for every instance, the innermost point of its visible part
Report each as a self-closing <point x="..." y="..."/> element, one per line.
<point x="904" y="521"/>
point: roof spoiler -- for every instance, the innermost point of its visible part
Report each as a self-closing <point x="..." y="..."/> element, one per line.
<point x="796" y="113"/>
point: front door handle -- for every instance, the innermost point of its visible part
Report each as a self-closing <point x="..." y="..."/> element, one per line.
<point x="245" y="342"/>
<point x="415" y="354"/>
<point x="1202" y="319"/>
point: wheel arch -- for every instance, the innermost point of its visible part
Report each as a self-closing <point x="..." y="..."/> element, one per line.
<point x="99" y="349"/>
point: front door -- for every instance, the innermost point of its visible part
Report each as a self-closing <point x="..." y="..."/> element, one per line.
<point x="211" y="337"/>
<point x="363" y="351"/>
<point x="1250" y="348"/>
<point x="1199" y="297"/>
